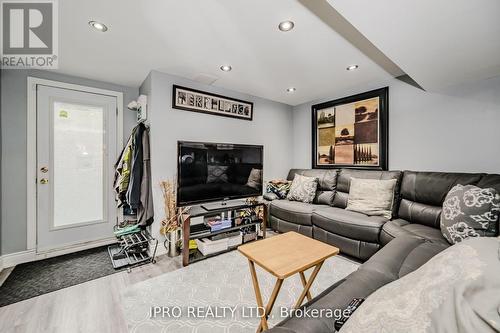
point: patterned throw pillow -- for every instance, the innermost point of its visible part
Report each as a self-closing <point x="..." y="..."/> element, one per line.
<point x="303" y="189"/>
<point x="470" y="211"/>
<point x="279" y="187"/>
<point x="217" y="174"/>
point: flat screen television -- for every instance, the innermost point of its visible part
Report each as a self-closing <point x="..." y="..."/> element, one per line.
<point x="217" y="171"/>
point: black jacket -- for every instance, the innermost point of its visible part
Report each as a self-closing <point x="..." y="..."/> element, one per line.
<point x="134" y="187"/>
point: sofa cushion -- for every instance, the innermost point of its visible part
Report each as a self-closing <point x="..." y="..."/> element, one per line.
<point x="402" y="256"/>
<point x="423" y="193"/>
<point x="400" y="227"/>
<point x="292" y="211"/>
<point x="348" y="223"/>
<point x="491" y="180"/>
<point x="283" y="226"/>
<point x="327" y="182"/>
<point x="348" y="246"/>
<point x="420" y="213"/>
<point x="344" y="183"/>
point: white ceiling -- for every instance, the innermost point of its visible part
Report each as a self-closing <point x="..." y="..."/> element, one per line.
<point x="438" y="43"/>
<point x="189" y="38"/>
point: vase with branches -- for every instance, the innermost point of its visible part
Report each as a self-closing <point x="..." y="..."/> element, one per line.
<point x="171" y="224"/>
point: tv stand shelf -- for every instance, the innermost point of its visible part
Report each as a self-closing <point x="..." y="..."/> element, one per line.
<point x="213" y="233"/>
<point x="190" y="256"/>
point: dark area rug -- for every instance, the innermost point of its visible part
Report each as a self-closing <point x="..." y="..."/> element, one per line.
<point x="40" y="277"/>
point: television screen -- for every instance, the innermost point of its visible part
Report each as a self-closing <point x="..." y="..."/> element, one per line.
<point x="217" y="171"/>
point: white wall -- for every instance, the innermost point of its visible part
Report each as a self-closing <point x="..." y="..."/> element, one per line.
<point x="455" y="130"/>
<point x="270" y="127"/>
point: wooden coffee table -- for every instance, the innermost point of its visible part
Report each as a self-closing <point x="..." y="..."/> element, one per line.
<point x="283" y="256"/>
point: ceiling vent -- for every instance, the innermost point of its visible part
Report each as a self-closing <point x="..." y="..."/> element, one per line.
<point x="206" y="78"/>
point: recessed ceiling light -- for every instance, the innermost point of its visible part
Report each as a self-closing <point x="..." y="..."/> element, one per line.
<point x="225" y="68"/>
<point x="352" y="67"/>
<point x="286" y="26"/>
<point x="98" y="26"/>
<point x="290" y="90"/>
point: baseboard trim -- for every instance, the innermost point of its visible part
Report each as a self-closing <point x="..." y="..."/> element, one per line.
<point x="4" y="274"/>
<point x="161" y="250"/>
<point x="13" y="259"/>
<point x="70" y="248"/>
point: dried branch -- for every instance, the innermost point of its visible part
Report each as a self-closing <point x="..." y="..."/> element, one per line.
<point x="171" y="221"/>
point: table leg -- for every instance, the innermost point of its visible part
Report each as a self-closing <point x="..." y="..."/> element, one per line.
<point x="272" y="300"/>
<point x="258" y="296"/>
<point x="304" y="283"/>
<point x="308" y="285"/>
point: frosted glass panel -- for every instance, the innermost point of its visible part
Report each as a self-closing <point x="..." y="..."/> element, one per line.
<point x="78" y="164"/>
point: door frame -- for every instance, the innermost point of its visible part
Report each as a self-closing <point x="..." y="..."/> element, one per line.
<point x="31" y="142"/>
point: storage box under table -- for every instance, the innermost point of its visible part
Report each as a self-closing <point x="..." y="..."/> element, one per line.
<point x="207" y="246"/>
<point x="235" y="240"/>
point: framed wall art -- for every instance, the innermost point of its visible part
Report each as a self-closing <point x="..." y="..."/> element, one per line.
<point x="199" y="101"/>
<point x="352" y="132"/>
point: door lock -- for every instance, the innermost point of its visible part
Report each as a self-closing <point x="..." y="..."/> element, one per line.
<point x="44" y="181"/>
<point x="44" y="169"/>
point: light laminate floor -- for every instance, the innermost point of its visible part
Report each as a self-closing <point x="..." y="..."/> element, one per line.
<point x="89" y="307"/>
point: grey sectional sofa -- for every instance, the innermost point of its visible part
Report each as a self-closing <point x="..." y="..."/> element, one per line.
<point x="416" y="212"/>
<point x="404" y="255"/>
<point x="391" y="248"/>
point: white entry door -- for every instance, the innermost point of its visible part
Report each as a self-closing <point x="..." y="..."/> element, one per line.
<point x="76" y="152"/>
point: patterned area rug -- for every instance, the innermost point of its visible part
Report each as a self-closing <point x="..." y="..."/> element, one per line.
<point x="195" y="297"/>
<point x="40" y="277"/>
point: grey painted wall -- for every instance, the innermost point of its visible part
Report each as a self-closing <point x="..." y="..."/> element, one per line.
<point x="270" y="127"/>
<point x="453" y="130"/>
<point x="145" y="88"/>
<point x="13" y="145"/>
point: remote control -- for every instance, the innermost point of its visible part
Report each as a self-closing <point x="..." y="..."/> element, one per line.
<point x="353" y="305"/>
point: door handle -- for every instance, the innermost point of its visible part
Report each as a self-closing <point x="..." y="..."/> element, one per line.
<point x="44" y="181"/>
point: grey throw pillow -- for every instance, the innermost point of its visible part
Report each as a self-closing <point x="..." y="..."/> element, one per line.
<point x="303" y="189"/>
<point x="217" y="174"/>
<point x="372" y="196"/>
<point x="470" y="211"/>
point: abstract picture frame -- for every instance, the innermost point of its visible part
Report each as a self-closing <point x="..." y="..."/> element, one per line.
<point x="352" y="132"/>
<point x="189" y="99"/>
